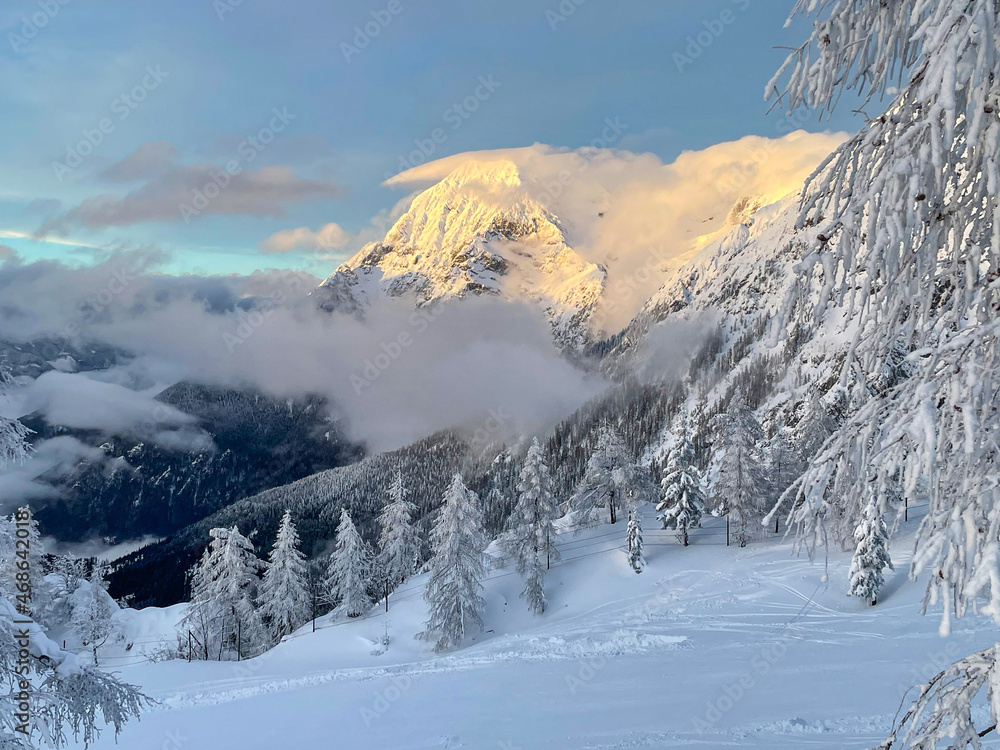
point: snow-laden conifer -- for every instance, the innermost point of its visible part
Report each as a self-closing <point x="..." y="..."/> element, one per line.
<point x="14" y="448"/>
<point x="633" y="540"/>
<point x="25" y="565"/>
<point x="223" y="615"/>
<point x="741" y="490"/>
<point x="611" y="481"/>
<point x="399" y="539"/>
<point x="683" y="499"/>
<point x="284" y="600"/>
<point x="530" y="536"/>
<point x="908" y="256"/>
<point x="347" y="574"/>
<point x="871" y="556"/>
<point x="457" y="567"/>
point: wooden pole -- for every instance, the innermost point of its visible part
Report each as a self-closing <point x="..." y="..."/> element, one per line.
<point x="222" y="637"/>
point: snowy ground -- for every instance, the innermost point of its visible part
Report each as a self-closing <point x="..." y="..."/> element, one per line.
<point x="708" y="648"/>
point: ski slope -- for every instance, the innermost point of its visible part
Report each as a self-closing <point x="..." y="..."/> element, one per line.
<point x="710" y="647"/>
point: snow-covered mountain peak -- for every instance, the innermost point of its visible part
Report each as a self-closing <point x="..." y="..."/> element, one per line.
<point x="477" y="231"/>
<point x="478" y="199"/>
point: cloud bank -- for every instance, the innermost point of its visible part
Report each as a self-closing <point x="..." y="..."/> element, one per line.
<point x="396" y="377"/>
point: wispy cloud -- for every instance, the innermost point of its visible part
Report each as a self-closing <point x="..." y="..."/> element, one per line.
<point x="328" y="237"/>
<point x="12" y="234"/>
<point x="147" y="161"/>
<point x="264" y="192"/>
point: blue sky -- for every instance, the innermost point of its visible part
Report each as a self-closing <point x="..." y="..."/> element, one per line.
<point x="213" y="73"/>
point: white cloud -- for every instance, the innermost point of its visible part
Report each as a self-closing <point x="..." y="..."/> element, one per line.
<point x="264" y="331"/>
<point x="328" y="237"/>
<point x="79" y="401"/>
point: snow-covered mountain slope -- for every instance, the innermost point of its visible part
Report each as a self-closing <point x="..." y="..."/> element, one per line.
<point x="737" y="280"/>
<point x="709" y="647"/>
<point x="478" y="231"/>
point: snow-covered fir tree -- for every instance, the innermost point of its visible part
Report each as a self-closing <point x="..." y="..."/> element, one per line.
<point x="284" y="599"/>
<point x="93" y="609"/>
<point x="457" y="567"/>
<point x="741" y="490"/>
<point x="347" y="574"/>
<point x="633" y="540"/>
<point x="530" y="536"/>
<point x="399" y="539"/>
<point x="907" y="257"/>
<point x="612" y="479"/>
<point x="223" y="615"/>
<point x="683" y="502"/>
<point x="871" y="556"/>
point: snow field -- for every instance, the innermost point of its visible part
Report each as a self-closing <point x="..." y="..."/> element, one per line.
<point x="709" y="647"/>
